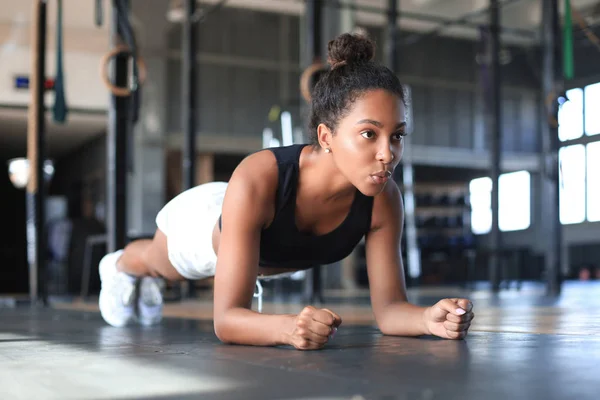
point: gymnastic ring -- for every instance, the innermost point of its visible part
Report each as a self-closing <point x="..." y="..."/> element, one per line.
<point x="116" y="90"/>
<point x="305" y="79"/>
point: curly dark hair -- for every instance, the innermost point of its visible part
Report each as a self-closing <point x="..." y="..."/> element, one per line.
<point x="352" y="73"/>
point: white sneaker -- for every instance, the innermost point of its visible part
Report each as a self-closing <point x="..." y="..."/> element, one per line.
<point x="117" y="293"/>
<point x="150" y="301"/>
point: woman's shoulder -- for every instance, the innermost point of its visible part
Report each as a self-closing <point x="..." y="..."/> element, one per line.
<point x="258" y="168"/>
<point x="388" y="205"/>
<point x="254" y="181"/>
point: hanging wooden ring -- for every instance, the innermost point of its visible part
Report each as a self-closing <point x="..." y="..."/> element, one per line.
<point x="305" y="79"/>
<point x="116" y="90"/>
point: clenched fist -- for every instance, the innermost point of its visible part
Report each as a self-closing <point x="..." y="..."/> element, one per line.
<point x="313" y="328"/>
<point x="449" y="318"/>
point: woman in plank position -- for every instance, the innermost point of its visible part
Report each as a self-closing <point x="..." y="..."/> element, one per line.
<point x="291" y="208"/>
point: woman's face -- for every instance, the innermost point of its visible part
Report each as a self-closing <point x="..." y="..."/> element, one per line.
<point x="368" y="142"/>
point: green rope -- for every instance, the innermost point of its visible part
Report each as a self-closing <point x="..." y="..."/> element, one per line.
<point x="60" y="106"/>
<point x="568" y="58"/>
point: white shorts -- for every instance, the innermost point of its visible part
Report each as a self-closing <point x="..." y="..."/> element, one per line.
<point x="188" y="221"/>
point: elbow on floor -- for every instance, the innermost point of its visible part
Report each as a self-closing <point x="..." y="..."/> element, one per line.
<point x="221" y="332"/>
<point x="384" y="329"/>
<point x="385" y="326"/>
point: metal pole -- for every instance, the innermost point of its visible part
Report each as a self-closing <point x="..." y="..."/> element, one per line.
<point x="552" y="227"/>
<point x="314" y="25"/>
<point x="117" y="135"/>
<point x="404" y="173"/>
<point x="496" y="144"/>
<point x="314" y="13"/>
<point x="392" y="36"/>
<point x="36" y="154"/>
<point x="188" y="113"/>
<point x="188" y="90"/>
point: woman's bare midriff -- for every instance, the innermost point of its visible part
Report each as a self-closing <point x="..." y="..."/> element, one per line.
<point x="262" y="271"/>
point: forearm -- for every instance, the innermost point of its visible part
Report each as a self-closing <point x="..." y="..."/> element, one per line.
<point x="402" y="319"/>
<point x="247" y="327"/>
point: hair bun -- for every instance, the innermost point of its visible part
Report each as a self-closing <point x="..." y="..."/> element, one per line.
<point x="350" y="48"/>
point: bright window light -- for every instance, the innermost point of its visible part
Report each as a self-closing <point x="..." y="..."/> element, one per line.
<point x="572" y="184"/>
<point x="514" y="201"/>
<point x="480" y="194"/>
<point x="570" y="116"/>
<point x="592" y="108"/>
<point x="514" y="198"/>
<point x="481" y="221"/>
<point x="593" y="181"/>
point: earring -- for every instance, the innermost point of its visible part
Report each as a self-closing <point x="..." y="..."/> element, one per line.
<point x="328" y="150"/>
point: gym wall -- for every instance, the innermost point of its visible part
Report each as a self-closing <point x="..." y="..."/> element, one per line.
<point x="253" y="65"/>
<point x="246" y="71"/>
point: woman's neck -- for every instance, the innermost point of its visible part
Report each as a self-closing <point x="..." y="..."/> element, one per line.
<point x="320" y="179"/>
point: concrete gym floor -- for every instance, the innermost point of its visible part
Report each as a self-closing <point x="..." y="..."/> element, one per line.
<point x="522" y="345"/>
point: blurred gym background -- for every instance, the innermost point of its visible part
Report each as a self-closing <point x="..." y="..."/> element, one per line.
<point x="501" y="91"/>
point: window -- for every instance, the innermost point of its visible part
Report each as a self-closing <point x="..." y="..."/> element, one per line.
<point x="570" y="116"/>
<point x="593" y="181"/>
<point x="579" y="164"/>
<point x="592" y="105"/>
<point x="572" y="184"/>
<point x="480" y="193"/>
<point x="514" y="202"/>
